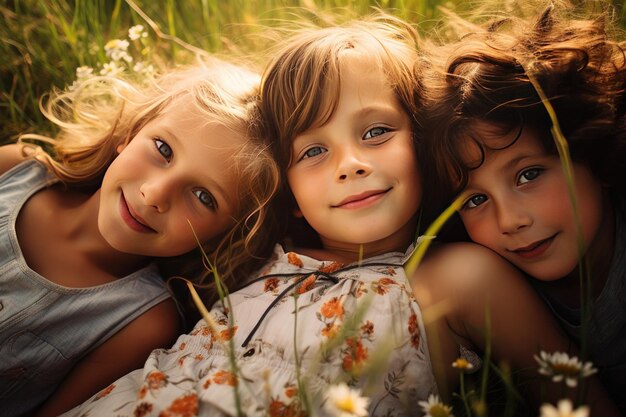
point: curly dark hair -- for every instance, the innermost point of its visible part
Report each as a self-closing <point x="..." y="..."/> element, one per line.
<point x="484" y="77"/>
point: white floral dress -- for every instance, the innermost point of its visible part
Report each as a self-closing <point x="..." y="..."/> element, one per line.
<point x="301" y="327"/>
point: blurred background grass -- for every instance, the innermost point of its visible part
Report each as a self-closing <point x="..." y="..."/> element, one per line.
<point x="42" y="42"/>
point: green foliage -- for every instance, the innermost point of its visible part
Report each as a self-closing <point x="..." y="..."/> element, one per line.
<point x="42" y="42"/>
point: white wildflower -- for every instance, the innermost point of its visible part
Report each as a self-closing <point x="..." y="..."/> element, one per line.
<point x="137" y="32"/>
<point x="435" y="408"/>
<point x="344" y="401"/>
<point x="111" y="69"/>
<point x="564" y="409"/>
<point x="560" y="366"/>
<point x="83" y="72"/>
<point x="117" y="50"/>
<point x="142" y="68"/>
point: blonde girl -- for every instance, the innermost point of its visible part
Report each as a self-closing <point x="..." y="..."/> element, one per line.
<point x="137" y="175"/>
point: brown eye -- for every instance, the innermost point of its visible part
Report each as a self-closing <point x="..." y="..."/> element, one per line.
<point x="529" y="175"/>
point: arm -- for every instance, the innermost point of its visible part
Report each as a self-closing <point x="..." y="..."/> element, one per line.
<point x="11" y="155"/>
<point x="125" y="351"/>
<point x="468" y="280"/>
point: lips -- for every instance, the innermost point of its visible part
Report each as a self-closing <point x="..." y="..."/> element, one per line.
<point x="133" y="220"/>
<point x="362" y="200"/>
<point x="535" y="249"/>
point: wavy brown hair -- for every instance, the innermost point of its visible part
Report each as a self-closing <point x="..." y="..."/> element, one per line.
<point x="103" y="112"/>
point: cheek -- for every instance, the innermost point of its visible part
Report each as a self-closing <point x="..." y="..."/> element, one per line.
<point x="480" y="230"/>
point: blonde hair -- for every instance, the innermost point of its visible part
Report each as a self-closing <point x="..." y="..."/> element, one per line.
<point x="300" y="87"/>
<point x="104" y="112"/>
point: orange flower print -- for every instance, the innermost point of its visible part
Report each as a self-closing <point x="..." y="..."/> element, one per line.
<point x="228" y="334"/>
<point x="381" y="287"/>
<point x="156" y="379"/>
<point x="360" y="290"/>
<point x="104" y="392"/>
<point x="332" y="308"/>
<point x="291" y="391"/>
<point x="354" y="356"/>
<point x="414" y="331"/>
<point x="182" y="346"/>
<point x="367" y="328"/>
<point x="186" y="406"/>
<point x="142" y="409"/>
<point x="278" y="408"/>
<point x="225" y="378"/>
<point x="331" y="267"/>
<point x="330" y="330"/>
<point x="271" y="284"/>
<point x="203" y="331"/>
<point x="306" y="285"/>
<point x="391" y="271"/>
<point x="143" y="391"/>
<point x="294" y="259"/>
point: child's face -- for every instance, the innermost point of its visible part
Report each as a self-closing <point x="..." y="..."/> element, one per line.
<point x="175" y="172"/>
<point x="356" y="179"/>
<point x="520" y="208"/>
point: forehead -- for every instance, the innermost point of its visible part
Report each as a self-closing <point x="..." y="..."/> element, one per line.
<point x="483" y="141"/>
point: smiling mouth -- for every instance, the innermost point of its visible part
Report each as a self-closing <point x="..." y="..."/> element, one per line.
<point x="135" y="222"/>
<point x="534" y="249"/>
<point x="362" y="200"/>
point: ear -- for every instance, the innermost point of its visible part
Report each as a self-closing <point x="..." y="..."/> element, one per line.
<point x="297" y="213"/>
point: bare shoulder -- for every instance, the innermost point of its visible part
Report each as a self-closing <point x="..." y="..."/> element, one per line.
<point x="463" y="267"/>
<point x="156" y="328"/>
<point x="13" y="154"/>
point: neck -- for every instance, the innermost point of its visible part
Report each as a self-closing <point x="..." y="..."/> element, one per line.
<point x="349" y="252"/>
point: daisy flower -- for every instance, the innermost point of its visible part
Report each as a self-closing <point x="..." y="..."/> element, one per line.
<point x="564" y="408"/>
<point x="560" y="366"/>
<point x="435" y="408"/>
<point x="344" y="401"/>
<point x="137" y="32"/>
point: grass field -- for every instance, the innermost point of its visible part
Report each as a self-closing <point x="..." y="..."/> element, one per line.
<point x="44" y="42"/>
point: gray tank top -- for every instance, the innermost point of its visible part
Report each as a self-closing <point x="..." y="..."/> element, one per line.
<point x="45" y="328"/>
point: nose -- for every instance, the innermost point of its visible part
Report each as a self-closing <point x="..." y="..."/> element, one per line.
<point x="157" y="193"/>
<point x="512" y="218"/>
<point x="352" y="165"/>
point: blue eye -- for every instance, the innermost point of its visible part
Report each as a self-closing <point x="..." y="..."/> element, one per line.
<point x="529" y="175"/>
<point x="376" y="131"/>
<point x="313" y="151"/>
<point x="475" y="201"/>
<point x="206" y="199"/>
<point x="164" y="149"/>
